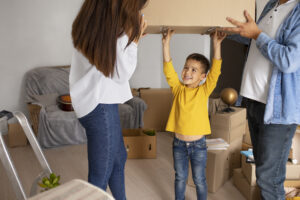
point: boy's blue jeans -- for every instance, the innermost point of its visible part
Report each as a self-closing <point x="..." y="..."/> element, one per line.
<point x="196" y="152"/>
<point x="271" y="146"/>
<point x="106" y="150"/>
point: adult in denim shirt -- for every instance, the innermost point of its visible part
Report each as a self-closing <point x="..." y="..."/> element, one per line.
<point x="271" y="89"/>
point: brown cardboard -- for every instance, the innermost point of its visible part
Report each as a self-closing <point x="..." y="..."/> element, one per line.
<point x="217" y="170"/>
<point x="159" y="103"/>
<point x="220" y="165"/>
<point x="245" y="146"/>
<point x="292" y="183"/>
<point x="138" y="144"/>
<point x="228" y="121"/>
<point x="16" y="136"/>
<point x="247" y="137"/>
<point x="241" y="183"/>
<point x="228" y="135"/>
<point x="194" y="16"/>
<point x="248" y="169"/>
<point x="234" y="154"/>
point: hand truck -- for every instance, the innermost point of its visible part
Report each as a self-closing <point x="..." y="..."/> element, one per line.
<point x="6" y="159"/>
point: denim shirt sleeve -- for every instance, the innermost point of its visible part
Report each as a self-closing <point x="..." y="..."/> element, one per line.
<point x="286" y="55"/>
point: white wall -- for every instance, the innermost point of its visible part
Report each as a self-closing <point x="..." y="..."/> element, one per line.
<point x="33" y="33"/>
<point x="37" y="33"/>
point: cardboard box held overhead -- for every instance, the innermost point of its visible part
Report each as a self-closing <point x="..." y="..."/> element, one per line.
<point x="194" y="16"/>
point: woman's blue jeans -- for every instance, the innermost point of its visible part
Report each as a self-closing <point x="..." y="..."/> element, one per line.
<point x="271" y="147"/>
<point x="106" y="150"/>
<point x="196" y="152"/>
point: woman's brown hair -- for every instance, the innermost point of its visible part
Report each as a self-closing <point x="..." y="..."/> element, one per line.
<point x="98" y="25"/>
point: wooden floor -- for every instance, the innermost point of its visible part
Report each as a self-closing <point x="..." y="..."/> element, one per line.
<point x="146" y="179"/>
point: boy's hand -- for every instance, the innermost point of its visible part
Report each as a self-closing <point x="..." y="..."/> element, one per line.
<point x="166" y="44"/>
<point x="166" y="36"/>
<point x="217" y="38"/>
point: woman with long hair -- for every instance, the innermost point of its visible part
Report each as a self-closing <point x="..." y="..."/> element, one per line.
<point x="105" y="36"/>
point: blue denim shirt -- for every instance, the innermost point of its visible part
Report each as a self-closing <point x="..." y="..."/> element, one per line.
<point x="283" y="102"/>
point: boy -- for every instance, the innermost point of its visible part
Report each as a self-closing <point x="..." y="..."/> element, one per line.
<point x="188" y="118"/>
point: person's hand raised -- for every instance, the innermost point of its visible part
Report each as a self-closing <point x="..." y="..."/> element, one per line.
<point x="166" y="36"/>
<point x="248" y="29"/>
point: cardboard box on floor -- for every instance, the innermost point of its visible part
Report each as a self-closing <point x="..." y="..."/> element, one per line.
<point x="241" y="183"/>
<point x="220" y="165"/>
<point x="159" y="103"/>
<point x="194" y="16"/>
<point x="138" y="144"/>
<point x="248" y="169"/>
<point x="228" y="126"/>
<point x="15" y="136"/>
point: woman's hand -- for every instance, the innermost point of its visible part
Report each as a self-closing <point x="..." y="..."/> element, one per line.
<point x="249" y="29"/>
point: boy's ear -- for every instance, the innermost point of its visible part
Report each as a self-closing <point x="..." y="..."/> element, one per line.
<point x="203" y="76"/>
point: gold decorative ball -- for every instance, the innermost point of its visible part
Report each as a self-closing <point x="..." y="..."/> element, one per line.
<point x="229" y="96"/>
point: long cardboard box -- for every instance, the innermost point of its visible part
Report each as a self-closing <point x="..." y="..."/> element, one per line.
<point x="138" y="144"/>
<point x="194" y="16"/>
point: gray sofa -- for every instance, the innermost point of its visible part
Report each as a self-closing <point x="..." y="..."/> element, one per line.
<point x="55" y="127"/>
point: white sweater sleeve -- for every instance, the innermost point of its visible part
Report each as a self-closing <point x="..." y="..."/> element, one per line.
<point x="126" y="60"/>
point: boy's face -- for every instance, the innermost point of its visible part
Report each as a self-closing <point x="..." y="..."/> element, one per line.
<point x="192" y="73"/>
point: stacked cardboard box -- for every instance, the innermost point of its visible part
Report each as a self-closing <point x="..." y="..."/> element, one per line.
<point x="228" y="125"/>
<point x="194" y="16"/>
<point x="220" y="165"/>
<point x="245" y="178"/>
<point x="231" y="127"/>
<point x="138" y="144"/>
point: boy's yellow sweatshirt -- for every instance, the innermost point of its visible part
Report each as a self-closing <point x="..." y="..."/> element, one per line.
<point x="189" y="113"/>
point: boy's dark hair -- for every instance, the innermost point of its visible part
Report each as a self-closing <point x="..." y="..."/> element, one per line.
<point x="200" y="58"/>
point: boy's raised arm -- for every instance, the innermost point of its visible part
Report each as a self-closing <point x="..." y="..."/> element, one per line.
<point x="169" y="71"/>
<point x="215" y="71"/>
